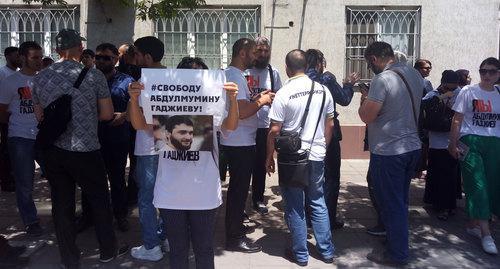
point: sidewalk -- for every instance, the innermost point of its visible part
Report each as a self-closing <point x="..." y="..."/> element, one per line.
<point x="434" y="243"/>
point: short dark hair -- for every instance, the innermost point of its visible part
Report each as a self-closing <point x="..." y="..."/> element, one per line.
<point x="490" y="61"/>
<point x="242" y="44"/>
<point x="8" y="50"/>
<point x="462" y="76"/>
<point x="296" y="60"/>
<point x="152" y="46"/>
<point x="189" y="62"/>
<point x="47" y="59"/>
<point x="88" y="52"/>
<point x="379" y="49"/>
<point x="107" y="46"/>
<point x="25" y="47"/>
<point x="314" y="57"/>
<point x="421" y="62"/>
<point x="177" y="120"/>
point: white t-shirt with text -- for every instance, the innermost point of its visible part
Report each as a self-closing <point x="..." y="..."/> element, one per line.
<point x="245" y="134"/>
<point x="289" y="106"/>
<point x="259" y="80"/>
<point x="481" y="110"/>
<point x="17" y="94"/>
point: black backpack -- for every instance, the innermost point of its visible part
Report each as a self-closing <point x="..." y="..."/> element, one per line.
<point x="56" y="117"/>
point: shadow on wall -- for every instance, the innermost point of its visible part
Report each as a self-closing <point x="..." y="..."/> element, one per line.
<point x="109" y="21"/>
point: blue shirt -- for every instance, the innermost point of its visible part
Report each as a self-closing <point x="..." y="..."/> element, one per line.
<point x="342" y="95"/>
<point x="118" y="87"/>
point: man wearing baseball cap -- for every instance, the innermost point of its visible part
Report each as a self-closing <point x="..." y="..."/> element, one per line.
<point x="75" y="158"/>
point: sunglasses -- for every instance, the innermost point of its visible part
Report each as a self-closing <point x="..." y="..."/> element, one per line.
<point x="103" y="58"/>
<point x="490" y="72"/>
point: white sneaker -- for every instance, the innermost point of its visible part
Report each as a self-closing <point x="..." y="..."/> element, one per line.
<point x="489" y="245"/>
<point x="141" y="253"/>
<point x="166" y="246"/>
<point x="476" y="232"/>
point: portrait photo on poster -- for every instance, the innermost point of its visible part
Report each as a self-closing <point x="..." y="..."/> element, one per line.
<point x="183" y="132"/>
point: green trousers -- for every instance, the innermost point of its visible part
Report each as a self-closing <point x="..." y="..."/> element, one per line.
<point x="481" y="176"/>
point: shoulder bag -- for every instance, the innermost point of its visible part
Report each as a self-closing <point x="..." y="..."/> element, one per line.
<point x="56" y="117"/>
<point x="294" y="167"/>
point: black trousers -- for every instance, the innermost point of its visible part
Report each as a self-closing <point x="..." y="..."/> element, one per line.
<point x="131" y="182"/>
<point x="6" y="178"/>
<point x="190" y="227"/>
<point x="241" y="160"/>
<point x="332" y="178"/>
<point x="441" y="185"/>
<point x="259" y="168"/>
<point x="64" y="170"/>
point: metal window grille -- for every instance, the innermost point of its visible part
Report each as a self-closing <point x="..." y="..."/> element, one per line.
<point x="40" y="25"/>
<point x="399" y="27"/>
<point x="206" y="33"/>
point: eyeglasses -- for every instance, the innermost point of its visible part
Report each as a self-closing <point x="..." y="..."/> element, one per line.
<point x="103" y="58"/>
<point x="426" y="68"/>
<point x="490" y="72"/>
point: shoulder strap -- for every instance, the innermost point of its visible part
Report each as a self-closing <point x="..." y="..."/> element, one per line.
<point x="271" y="76"/>
<point x="319" y="118"/>
<point x="80" y="78"/>
<point x="306" y="111"/>
<point x="409" y="93"/>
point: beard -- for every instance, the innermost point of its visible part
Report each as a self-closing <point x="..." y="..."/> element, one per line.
<point x="179" y="145"/>
<point x="105" y="69"/>
<point x="261" y="63"/>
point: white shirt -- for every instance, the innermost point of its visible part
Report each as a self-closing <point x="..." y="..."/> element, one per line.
<point x="144" y="142"/>
<point x="481" y="110"/>
<point x="17" y="94"/>
<point x="289" y="106"/>
<point x="245" y="134"/>
<point x="5" y="71"/>
<point x="259" y="80"/>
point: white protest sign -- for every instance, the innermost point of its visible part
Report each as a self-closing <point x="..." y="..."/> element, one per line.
<point x="183" y="92"/>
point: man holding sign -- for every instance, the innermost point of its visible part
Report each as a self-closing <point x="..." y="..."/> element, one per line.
<point x="187" y="189"/>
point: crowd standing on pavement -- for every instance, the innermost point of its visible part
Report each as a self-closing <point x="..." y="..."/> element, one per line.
<point x="452" y="131"/>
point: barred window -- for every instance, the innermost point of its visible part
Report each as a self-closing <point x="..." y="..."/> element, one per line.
<point x="397" y="26"/>
<point x="206" y="33"/>
<point x="40" y="25"/>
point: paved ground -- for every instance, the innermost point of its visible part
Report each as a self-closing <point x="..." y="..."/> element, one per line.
<point x="434" y="243"/>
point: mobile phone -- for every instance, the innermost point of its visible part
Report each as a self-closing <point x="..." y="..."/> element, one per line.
<point x="363" y="87"/>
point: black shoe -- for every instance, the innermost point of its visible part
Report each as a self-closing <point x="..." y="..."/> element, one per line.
<point x="83" y="223"/>
<point x="261" y="208"/>
<point x="34" y="229"/>
<point x="242" y="245"/>
<point x="248" y="229"/>
<point x="246" y="218"/>
<point x="383" y="259"/>
<point x="291" y="257"/>
<point x="336" y="224"/>
<point x="123" y="225"/>
<point x="120" y="252"/>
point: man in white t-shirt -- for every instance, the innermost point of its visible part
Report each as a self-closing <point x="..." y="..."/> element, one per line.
<point x="286" y="114"/>
<point x="16" y="108"/>
<point x="239" y="146"/>
<point x="260" y="78"/>
<point x="12" y="63"/>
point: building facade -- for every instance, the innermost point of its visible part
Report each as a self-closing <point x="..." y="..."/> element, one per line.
<point x="453" y="34"/>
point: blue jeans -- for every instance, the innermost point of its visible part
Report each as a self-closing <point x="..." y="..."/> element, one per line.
<point x="151" y="226"/>
<point x="22" y="157"/>
<point x="195" y="227"/>
<point x="295" y="215"/>
<point x="391" y="177"/>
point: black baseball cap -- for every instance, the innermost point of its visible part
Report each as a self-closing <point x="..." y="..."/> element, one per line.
<point x="68" y="38"/>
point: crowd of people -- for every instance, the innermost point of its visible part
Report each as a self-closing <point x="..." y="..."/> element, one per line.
<point x="457" y="123"/>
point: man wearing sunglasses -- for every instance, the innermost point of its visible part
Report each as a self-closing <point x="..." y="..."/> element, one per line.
<point x="114" y="135"/>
